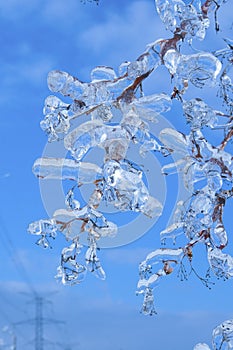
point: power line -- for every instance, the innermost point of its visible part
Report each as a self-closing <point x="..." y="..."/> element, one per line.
<point x="19" y="267"/>
<point x="13" y="253"/>
<point x="39" y="320"/>
<point x="11" y="303"/>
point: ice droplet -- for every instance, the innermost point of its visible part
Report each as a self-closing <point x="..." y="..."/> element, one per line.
<point x="46" y="229"/>
<point x="70" y="272"/>
<point x="198" y="113"/>
<point x="103" y="73"/>
<point x="56" y="80"/>
<point x="221" y="264"/>
<point x="93" y="262"/>
<point x="200" y="69"/>
<point x="201" y="346"/>
<point x="171" y="60"/>
<point x="57" y="118"/>
<point x="66" y="84"/>
<point x="148" y="303"/>
<point x="179" y="16"/>
<point x="174" y="140"/>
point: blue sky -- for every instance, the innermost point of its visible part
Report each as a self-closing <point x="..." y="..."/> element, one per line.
<point x="36" y="37"/>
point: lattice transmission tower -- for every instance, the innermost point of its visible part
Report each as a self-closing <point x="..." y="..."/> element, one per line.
<point x="39" y="321"/>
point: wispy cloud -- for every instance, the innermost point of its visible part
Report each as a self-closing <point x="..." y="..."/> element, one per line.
<point x="129" y="255"/>
<point x="122" y="34"/>
<point x="4" y="175"/>
<point x="16" y="9"/>
<point x="59" y="10"/>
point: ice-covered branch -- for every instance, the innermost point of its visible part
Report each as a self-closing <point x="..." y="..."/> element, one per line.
<point x="118" y="116"/>
<point x="222" y="338"/>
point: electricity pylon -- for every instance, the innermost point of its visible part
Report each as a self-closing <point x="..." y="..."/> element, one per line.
<point x="39" y="320"/>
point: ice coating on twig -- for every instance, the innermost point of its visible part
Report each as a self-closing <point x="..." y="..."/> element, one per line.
<point x="46" y="229"/>
<point x="222" y="338"/>
<point x="206" y="169"/>
<point x="207" y="174"/>
<point x="60" y="168"/>
<point x="166" y="259"/>
<point x="179" y="16"/>
<point x="70" y="271"/>
<point x="119" y="115"/>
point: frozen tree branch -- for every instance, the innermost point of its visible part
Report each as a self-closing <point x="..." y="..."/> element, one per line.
<point x="206" y="169"/>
